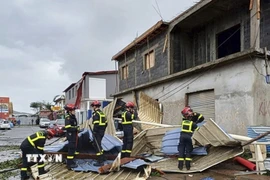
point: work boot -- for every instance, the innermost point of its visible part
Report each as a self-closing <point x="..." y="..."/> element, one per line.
<point x="100" y="161"/>
<point x="72" y="166"/>
<point x="123" y="155"/>
<point x="180" y="165"/>
<point x="25" y="177"/>
<point x="188" y="165"/>
<point x="42" y="171"/>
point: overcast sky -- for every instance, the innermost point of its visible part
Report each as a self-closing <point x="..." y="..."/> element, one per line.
<point x="45" y="45"/>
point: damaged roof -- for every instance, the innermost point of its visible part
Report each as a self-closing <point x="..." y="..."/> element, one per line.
<point x="218" y="141"/>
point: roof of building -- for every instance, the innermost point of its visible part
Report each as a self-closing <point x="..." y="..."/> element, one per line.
<point x="69" y="87"/>
<point x="100" y="72"/>
<point x="159" y="27"/>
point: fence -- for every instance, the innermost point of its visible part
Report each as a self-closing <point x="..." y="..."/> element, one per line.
<point x="27" y="120"/>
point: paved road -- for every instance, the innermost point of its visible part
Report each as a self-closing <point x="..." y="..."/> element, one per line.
<point x="16" y="135"/>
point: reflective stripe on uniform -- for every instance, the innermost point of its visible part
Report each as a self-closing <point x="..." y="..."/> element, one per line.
<point x="69" y="126"/>
<point x="23" y="169"/>
<point x="181" y="159"/>
<point x="41" y="165"/>
<point x="188" y="124"/>
<point x="101" y="117"/>
<point x="125" y="119"/>
<point x="128" y="151"/>
<point x="41" y="148"/>
<point x="39" y="136"/>
<point x="188" y="159"/>
<point x="123" y="151"/>
<point x="77" y="152"/>
<point x="70" y="157"/>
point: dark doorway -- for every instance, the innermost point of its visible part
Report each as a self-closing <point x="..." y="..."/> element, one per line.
<point x="228" y="41"/>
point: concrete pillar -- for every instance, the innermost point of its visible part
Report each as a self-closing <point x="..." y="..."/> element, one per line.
<point x="254" y="24"/>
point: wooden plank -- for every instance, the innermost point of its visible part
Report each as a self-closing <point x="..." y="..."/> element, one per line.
<point x="106" y="168"/>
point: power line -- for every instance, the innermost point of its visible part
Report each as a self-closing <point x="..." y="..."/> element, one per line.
<point x="157" y="10"/>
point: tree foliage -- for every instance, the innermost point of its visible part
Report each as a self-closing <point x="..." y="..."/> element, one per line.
<point x="37" y="106"/>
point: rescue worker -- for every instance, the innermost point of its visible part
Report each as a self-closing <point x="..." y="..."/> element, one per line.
<point x="34" y="144"/>
<point x="100" y="124"/>
<point x="72" y="133"/>
<point x="185" y="146"/>
<point x="127" y="116"/>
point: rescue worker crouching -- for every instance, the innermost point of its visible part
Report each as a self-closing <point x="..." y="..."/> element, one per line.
<point x="34" y="144"/>
<point x="71" y="126"/>
<point x="100" y="124"/>
<point x="185" y="143"/>
<point x="127" y="116"/>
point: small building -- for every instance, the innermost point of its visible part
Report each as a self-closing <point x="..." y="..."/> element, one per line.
<point x="213" y="57"/>
<point x="6" y="108"/>
<point x="92" y="86"/>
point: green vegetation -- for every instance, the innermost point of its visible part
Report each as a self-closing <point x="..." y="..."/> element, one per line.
<point x="6" y="148"/>
<point x="11" y="163"/>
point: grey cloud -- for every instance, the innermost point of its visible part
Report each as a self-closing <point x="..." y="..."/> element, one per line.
<point x="47" y="44"/>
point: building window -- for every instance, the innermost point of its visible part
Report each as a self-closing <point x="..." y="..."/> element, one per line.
<point x="76" y="89"/>
<point x="72" y="92"/>
<point x="229" y="41"/>
<point x="69" y="94"/>
<point x="124" y="72"/>
<point x="149" y="60"/>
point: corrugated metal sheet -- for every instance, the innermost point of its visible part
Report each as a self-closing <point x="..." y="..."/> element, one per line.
<point x="59" y="171"/>
<point x="135" y="164"/>
<point x="255" y="131"/>
<point x="170" y="144"/>
<point x="149" y="111"/>
<point x="108" y="110"/>
<point x="203" y="102"/>
<point x="211" y="134"/>
<point x="208" y="134"/>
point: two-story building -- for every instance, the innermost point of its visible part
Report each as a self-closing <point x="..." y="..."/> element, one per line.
<point x="92" y="86"/>
<point x="213" y="57"/>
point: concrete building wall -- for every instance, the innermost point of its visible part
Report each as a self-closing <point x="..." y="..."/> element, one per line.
<point x="261" y="95"/>
<point x="233" y="87"/>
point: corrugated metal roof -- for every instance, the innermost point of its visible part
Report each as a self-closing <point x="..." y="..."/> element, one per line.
<point x="149" y="111"/>
<point x="255" y="131"/>
<point x="59" y="171"/>
<point x="211" y="134"/>
<point x="170" y="144"/>
<point x="208" y="134"/>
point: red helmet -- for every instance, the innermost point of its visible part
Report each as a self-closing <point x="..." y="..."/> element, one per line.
<point x="69" y="107"/>
<point x="130" y="104"/>
<point x="50" y="132"/>
<point x="95" y="103"/>
<point x="187" y="111"/>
